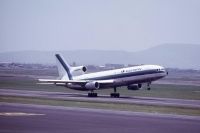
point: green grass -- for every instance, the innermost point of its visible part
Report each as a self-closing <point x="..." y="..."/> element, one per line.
<point x="162" y="91"/>
<point x="104" y="105"/>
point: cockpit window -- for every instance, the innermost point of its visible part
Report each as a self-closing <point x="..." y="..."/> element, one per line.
<point x="161" y="69"/>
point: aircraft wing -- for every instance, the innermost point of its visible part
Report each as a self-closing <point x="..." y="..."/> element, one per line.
<point x="79" y="82"/>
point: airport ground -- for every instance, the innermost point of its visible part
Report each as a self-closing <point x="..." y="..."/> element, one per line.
<point x="168" y="107"/>
<point x="30" y="118"/>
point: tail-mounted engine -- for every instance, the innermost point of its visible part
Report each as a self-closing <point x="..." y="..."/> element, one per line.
<point x="79" y="68"/>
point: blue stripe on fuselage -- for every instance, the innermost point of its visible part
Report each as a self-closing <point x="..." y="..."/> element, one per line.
<point x="64" y="66"/>
<point x="122" y="75"/>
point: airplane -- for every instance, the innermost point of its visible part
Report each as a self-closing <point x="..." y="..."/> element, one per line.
<point x="132" y="77"/>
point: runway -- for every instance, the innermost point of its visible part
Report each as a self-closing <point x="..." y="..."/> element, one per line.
<point x="52" y="119"/>
<point x="104" y="98"/>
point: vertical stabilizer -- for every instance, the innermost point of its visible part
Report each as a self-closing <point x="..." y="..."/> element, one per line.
<point x="63" y="68"/>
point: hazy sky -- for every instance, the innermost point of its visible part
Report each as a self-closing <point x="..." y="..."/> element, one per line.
<point x="129" y="25"/>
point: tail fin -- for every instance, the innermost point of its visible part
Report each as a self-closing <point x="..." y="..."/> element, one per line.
<point x="63" y="68"/>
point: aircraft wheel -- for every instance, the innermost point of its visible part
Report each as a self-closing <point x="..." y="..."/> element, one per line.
<point x="116" y="95"/>
<point x="95" y="94"/>
<point x="92" y="95"/>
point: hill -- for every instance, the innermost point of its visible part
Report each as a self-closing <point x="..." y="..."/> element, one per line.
<point x="168" y="55"/>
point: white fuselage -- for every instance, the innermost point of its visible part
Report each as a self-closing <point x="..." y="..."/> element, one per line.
<point x="125" y="76"/>
<point x="132" y="77"/>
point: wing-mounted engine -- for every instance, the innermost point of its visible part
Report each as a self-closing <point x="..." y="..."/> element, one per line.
<point x="92" y="85"/>
<point x="78" y="68"/>
<point x="134" y="87"/>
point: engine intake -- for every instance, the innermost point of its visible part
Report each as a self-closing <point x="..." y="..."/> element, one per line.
<point x="134" y="87"/>
<point x="79" y="68"/>
<point x="92" y="85"/>
<point x="84" y="69"/>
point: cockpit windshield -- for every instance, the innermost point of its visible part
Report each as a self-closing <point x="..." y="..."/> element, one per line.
<point x="161" y="69"/>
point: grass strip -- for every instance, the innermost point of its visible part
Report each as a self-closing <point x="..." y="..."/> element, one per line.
<point x="103" y="105"/>
<point x="158" y="90"/>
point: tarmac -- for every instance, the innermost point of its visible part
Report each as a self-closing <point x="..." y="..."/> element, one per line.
<point x="28" y="118"/>
<point x="104" y="98"/>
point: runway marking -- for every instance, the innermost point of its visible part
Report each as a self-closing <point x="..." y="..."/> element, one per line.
<point x="18" y="114"/>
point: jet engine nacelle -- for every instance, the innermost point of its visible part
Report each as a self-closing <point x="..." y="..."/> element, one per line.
<point x="134" y="87"/>
<point x="79" y="68"/>
<point x="92" y="85"/>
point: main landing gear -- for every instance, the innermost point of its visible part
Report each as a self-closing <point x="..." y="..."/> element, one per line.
<point x="148" y="86"/>
<point x="92" y="94"/>
<point x="115" y="94"/>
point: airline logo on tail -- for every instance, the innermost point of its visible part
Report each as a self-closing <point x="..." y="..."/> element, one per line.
<point x="63" y="68"/>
